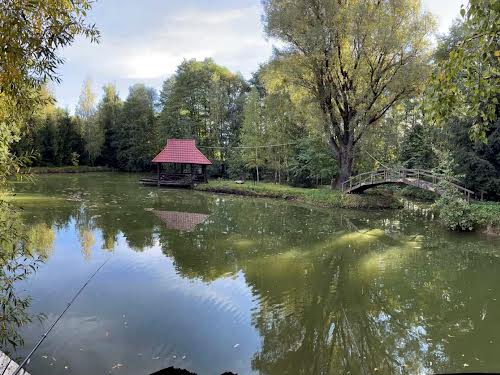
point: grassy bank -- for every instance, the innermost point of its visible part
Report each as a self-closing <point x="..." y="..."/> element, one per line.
<point x="66" y="169"/>
<point x="487" y="216"/>
<point x="323" y="197"/>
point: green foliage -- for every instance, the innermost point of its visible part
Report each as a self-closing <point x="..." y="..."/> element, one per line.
<point x="478" y="162"/>
<point x="454" y="211"/>
<point x="417" y="193"/>
<point x="417" y="148"/>
<point x="74" y="159"/>
<point x="203" y="101"/>
<point x="312" y="163"/>
<point x="280" y="134"/>
<point x="466" y="83"/>
<point x="137" y="137"/>
<point x="108" y="118"/>
<point x="31" y="34"/>
<point x="89" y="126"/>
<point x="318" y="197"/>
<point x="52" y="136"/>
<point x="487" y="214"/>
<point x="355" y="59"/>
<point x="253" y="135"/>
<point x="17" y="262"/>
<point x="385" y="143"/>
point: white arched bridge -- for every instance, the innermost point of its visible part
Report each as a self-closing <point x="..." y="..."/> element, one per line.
<point x="419" y="178"/>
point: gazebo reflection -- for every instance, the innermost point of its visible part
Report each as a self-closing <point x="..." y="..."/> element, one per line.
<point x="182" y="221"/>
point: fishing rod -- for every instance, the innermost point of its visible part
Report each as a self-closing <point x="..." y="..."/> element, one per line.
<point x="25" y="361"/>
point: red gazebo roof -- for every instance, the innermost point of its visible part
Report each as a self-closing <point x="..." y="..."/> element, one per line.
<point x="181" y="151"/>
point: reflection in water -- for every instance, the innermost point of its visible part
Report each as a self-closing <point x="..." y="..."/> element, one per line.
<point x="22" y="250"/>
<point x="87" y="241"/>
<point x="183" y="221"/>
<point x="264" y="287"/>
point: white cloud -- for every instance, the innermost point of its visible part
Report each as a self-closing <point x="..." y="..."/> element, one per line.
<point x="189" y="34"/>
<point x="445" y="11"/>
<point x="146" y="45"/>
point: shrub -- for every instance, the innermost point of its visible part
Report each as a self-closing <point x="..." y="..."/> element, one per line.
<point x="455" y="212"/>
<point x="75" y="159"/>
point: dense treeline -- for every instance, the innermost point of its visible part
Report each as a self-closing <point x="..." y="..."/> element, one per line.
<point x="279" y="125"/>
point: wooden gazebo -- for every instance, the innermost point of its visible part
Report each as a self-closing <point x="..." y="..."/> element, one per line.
<point x="179" y="153"/>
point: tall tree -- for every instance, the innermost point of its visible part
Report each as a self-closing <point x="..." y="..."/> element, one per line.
<point x="108" y="117"/>
<point x="253" y="135"/>
<point x="137" y="137"/>
<point x="356" y="59"/>
<point x="204" y="101"/>
<point x="90" y="129"/>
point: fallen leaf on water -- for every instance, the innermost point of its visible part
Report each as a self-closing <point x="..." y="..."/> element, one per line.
<point x="236" y="345"/>
<point x="65" y="367"/>
<point x="155" y="358"/>
<point x="118" y="365"/>
<point x="466" y="365"/>
<point x="183" y="357"/>
<point x="44" y="356"/>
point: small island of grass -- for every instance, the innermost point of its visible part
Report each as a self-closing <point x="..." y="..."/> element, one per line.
<point x="322" y="196"/>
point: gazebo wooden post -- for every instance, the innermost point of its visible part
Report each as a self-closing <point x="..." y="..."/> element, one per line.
<point x="158" y="170"/>
<point x="204" y="168"/>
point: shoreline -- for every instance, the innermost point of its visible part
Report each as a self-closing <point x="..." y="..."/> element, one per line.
<point x="66" y="169"/>
<point x="322" y="197"/>
<point x="487" y="214"/>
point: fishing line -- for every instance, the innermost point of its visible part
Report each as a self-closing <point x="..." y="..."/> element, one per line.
<point x="23" y="363"/>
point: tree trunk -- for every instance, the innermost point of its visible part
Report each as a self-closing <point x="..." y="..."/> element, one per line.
<point x="345" y="157"/>
<point x="257" y="164"/>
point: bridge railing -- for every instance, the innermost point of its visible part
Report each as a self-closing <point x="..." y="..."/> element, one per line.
<point x="396" y="175"/>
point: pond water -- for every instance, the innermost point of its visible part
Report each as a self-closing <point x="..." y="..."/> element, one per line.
<point x="214" y="283"/>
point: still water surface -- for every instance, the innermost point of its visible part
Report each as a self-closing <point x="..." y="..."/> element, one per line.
<point x="216" y="283"/>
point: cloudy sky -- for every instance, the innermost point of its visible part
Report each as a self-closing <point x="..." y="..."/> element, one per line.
<point x="144" y="41"/>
